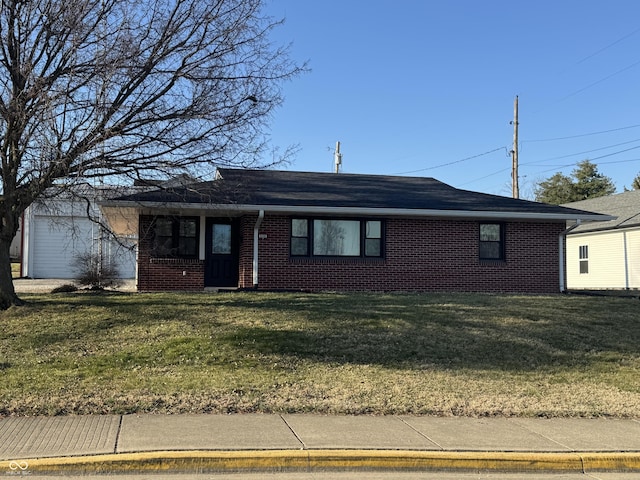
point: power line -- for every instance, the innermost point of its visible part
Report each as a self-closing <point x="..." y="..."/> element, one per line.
<point x="541" y="162"/>
<point x="599" y="81"/>
<point x="556" y="167"/>
<point x="581" y="135"/>
<point x="560" y="167"/>
<point x="486" y="176"/>
<point x="451" y="163"/>
<point x="584" y="59"/>
<point x="615" y="153"/>
<point x="597" y="158"/>
<point x="608" y="46"/>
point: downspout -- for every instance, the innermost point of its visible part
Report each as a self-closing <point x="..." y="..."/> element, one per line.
<point x="626" y="261"/>
<point x="256" y="238"/>
<point x="561" y="244"/>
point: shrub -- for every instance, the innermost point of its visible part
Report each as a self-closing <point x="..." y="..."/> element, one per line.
<point x="66" y="288"/>
<point x="96" y="271"/>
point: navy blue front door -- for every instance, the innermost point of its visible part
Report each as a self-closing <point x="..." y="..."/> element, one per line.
<point x="222" y="253"/>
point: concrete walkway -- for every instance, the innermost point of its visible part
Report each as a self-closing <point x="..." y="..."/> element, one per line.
<point x="229" y="443"/>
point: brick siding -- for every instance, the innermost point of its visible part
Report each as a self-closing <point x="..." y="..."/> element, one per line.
<point x="162" y="274"/>
<point x="421" y="255"/>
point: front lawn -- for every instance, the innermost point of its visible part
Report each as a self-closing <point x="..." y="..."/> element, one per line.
<point x="426" y="354"/>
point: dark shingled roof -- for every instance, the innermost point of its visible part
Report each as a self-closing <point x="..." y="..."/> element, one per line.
<point x="308" y="189"/>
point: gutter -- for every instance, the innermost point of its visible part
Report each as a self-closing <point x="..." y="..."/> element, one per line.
<point x="561" y="244"/>
<point x="256" y="238"/>
<point x="364" y="211"/>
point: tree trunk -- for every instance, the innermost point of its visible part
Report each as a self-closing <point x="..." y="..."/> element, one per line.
<point x="8" y="295"/>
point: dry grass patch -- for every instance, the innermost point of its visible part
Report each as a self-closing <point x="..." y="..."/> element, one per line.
<point x="359" y="354"/>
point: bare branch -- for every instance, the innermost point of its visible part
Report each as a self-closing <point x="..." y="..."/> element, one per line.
<point x="123" y="88"/>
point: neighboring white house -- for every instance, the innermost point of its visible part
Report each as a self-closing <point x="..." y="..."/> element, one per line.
<point x="56" y="230"/>
<point x="606" y="255"/>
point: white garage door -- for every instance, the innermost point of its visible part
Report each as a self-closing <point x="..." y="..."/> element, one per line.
<point x="58" y="243"/>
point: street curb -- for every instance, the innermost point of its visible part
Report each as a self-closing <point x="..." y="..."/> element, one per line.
<point x="319" y="460"/>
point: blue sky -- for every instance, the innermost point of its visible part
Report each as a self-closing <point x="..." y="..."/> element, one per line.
<point x="426" y="88"/>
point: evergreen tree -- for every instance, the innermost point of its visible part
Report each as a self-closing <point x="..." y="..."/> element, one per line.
<point x="555" y="190"/>
<point x="585" y="182"/>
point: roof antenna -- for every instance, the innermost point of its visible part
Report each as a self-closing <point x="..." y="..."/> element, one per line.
<point x="338" y="157"/>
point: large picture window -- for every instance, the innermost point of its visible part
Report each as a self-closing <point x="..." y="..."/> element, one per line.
<point x="175" y="237"/>
<point x="336" y="238"/>
<point x="325" y="237"/>
<point x="491" y="246"/>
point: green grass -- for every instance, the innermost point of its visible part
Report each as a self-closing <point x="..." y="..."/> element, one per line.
<point x="330" y="353"/>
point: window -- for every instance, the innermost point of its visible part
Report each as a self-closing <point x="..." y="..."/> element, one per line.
<point x="373" y="239"/>
<point x="324" y="237"/>
<point x="491" y="241"/>
<point x="584" y="258"/>
<point x="336" y="238"/>
<point x="299" y="237"/>
<point x="175" y="237"/>
<point x="221" y="239"/>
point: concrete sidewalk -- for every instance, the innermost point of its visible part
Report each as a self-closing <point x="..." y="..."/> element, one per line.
<point x="226" y="443"/>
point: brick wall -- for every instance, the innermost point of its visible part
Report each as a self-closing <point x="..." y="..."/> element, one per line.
<point x="421" y="255"/>
<point x="157" y="274"/>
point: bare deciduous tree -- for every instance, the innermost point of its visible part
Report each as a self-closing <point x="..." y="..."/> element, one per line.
<point x="129" y="88"/>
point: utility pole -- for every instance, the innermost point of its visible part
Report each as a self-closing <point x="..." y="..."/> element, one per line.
<point x="514" y="152"/>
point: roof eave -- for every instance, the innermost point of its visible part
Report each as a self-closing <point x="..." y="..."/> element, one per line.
<point x="594" y="227"/>
<point x="364" y="211"/>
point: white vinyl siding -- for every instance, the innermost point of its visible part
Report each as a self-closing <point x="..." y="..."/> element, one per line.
<point x="613" y="256"/>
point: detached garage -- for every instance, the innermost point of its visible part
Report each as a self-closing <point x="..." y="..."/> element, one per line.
<point x="56" y="231"/>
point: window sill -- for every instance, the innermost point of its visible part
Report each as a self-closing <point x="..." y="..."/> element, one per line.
<point x="174" y="261"/>
<point x="492" y="262"/>
<point x="336" y="260"/>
